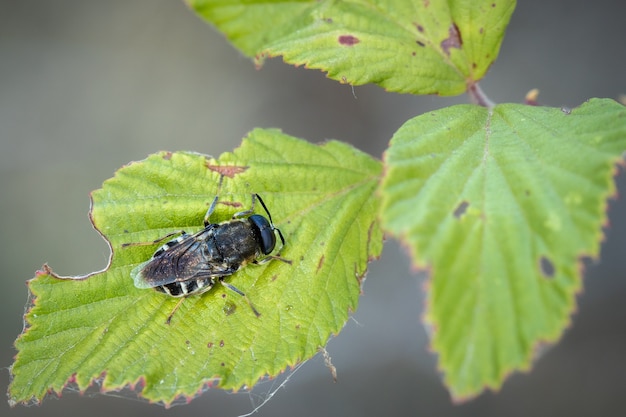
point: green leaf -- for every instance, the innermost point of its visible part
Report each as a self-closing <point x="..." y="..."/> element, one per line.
<point x="500" y="205"/>
<point x="419" y="47"/>
<point x="102" y="326"/>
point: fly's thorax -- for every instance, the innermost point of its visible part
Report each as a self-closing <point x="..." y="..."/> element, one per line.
<point x="237" y="242"/>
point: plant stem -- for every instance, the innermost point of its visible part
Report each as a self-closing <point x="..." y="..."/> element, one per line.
<point x="479" y="97"/>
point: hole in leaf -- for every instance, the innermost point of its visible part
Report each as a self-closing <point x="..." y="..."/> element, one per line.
<point x="461" y="209"/>
<point x="547" y="267"/>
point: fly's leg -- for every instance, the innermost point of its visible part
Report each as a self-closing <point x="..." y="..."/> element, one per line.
<point x="271" y="258"/>
<point x="169" y="318"/>
<point x="255" y="197"/>
<point x="227" y="285"/>
<point x="238" y="291"/>
<point x="182" y="234"/>
<point x="210" y="211"/>
<point x="250" y="210"/>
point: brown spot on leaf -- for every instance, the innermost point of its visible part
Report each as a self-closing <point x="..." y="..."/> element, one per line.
<point x="167" y="156"/>
<point x="320" y="263"/>
<point x="547" y="267"/>
<point x="461" y="209"/>
<point x="453" y="40"/>
<point x="348" y="40"/>
<point x="209" y="345"/>
<point x="227" y="170"/>
<point x="420" y="43"/>
<point x="235" y="204"/>
<point x="221" y="343"/>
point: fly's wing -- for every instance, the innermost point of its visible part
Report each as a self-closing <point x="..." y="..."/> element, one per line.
<point x="189" y="259"/>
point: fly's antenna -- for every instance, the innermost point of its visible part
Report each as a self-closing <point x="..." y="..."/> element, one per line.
<point x="269" y="216"/>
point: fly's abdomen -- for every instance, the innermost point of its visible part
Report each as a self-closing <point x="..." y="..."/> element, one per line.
<point x="185" y="288"/>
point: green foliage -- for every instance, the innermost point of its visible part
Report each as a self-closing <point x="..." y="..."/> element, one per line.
<point x="500" y="205"/>
<point x="406" y="46"/>
<point x="82" y="328"/>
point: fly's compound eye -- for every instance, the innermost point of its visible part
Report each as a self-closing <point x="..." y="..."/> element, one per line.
<point x="265" y="233"/>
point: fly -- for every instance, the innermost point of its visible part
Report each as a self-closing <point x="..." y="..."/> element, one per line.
<point x="193" y="264"/>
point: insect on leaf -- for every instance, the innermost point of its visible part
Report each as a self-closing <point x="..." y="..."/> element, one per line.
<point x="406" y="46"/>
<point x="102" y="327"/>
<point x="501" y="205"/>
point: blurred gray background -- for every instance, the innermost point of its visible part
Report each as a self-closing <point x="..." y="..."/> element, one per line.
<point x="87" y="86"/>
